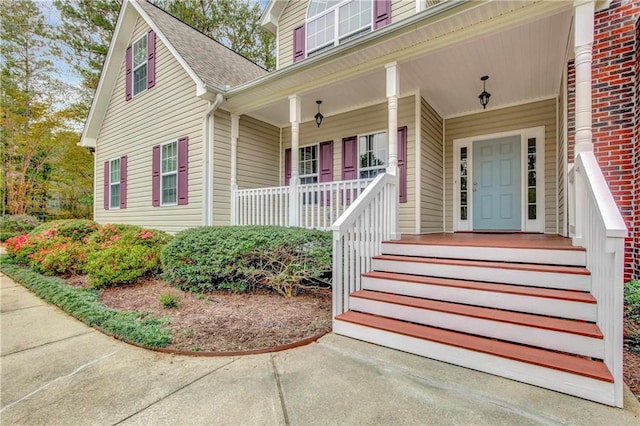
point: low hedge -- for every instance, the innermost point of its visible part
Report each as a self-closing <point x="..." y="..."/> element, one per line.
<point x="137" y="327"/>
<point x="632" y="315"/>
<point x="14" y="225"/>
<point x="285" y="260"/>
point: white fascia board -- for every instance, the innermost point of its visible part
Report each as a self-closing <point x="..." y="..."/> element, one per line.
<point x="271" y="15"/>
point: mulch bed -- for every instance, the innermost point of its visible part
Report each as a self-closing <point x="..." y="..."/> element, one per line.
<point x="226" y="322"/>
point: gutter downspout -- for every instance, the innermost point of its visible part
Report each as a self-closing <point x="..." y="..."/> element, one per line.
<point x="207" y="162"/>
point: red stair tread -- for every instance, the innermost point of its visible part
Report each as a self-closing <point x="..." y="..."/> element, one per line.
<point x="574" y="296"/>
<point x="578" y="270"/>
<point x="536" y="321"/>
<point x="557" y="361"/>
<point x="518" y="240"/>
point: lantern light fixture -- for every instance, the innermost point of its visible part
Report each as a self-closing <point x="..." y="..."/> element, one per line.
<point x="484" y="96"/>
<point x="319" y="115"/>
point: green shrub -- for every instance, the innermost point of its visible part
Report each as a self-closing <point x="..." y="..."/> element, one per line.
<point x="59" y="256"/>
<point x="170" y="299"/>
<point x="14" y="225"/>
<point x="282" y="259"/>
<point x="138" y="327"/>
<point x="122" y="264"/>
<point x="75" y="229"/>
<point x="632" y="314"/>
<point x="111" y="234"/>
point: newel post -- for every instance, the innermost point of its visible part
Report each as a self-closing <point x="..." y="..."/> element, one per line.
<point x="235" y="132"/>
<point x="294" y="118"/>
<point x="393" y="89"/>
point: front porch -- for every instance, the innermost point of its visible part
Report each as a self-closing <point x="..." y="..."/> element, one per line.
<point x="394" y="173"/>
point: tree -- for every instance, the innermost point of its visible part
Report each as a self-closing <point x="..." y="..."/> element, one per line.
<point x="87" y="27"/>
<point x="33" y="113"/>
<point x="235" y="23"/>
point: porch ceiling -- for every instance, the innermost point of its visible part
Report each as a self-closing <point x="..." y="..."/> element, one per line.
<point x="524" y="60"/>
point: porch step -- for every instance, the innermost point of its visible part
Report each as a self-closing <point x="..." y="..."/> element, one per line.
<point x="535" y="275"/>
<point x="570" y="374"/>
<point x="524" y="253"/>
<point x="564" y="335"/>
<point x="535" y="300"/>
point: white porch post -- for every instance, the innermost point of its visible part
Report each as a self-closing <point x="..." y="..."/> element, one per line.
<point x="583" y="12"/>
<point x="235" y="131"/>
<point x="583" y="43"/>
<point x="393" y="88"/>
<point x="294" y="118"/>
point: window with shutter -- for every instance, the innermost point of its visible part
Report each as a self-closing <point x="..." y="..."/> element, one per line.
<point x="170" y="173"/>
<point x="141" y="65"/>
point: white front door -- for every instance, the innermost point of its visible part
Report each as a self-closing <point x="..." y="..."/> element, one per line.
<point x="498" y="182"/>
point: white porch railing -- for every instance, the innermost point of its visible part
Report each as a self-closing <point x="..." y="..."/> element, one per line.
<point x="596" y="224"/>
<point x="319" y="204"/>
<point x="358" y="236"/>
<point x="261" y="206"/>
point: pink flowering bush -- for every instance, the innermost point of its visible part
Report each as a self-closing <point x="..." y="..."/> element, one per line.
<point x="123" y="254"/>
<point x="62" y="258"/>
<point x="22" y="247"/>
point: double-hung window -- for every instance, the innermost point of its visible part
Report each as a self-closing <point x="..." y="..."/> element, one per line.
<point x="372" y="150"/>
<point x="308" y="164"/>
<point x="114" y="184"/>
<point x="140" y="65"/>
<point x="331" y="22"/>
<point x="169" y="173"/>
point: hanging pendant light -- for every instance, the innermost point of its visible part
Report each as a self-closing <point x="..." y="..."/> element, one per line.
<point x="319" y="116"/>
<point x="484" y="96"/>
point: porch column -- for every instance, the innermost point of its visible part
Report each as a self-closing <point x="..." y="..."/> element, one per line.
<point x="235" y="131"/>
<point x="294" y="181"/>
<point x="393" y="88"/>
<point x="583" y="11"/>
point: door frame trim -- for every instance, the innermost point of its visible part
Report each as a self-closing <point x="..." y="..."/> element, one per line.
<point x="526" y="225"/>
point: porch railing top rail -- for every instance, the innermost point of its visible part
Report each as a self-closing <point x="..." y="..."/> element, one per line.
<point x="348" y="218"/>
<point x="606" y="205"/>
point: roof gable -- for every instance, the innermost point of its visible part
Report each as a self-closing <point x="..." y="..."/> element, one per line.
<point x="213" y="67"/>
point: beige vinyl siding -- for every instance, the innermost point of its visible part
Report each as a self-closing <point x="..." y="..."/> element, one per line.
<point x="402" y="9"/>
<point x="541" y="113"/>
<point x="431" y="169"/>
<point x="221" y="168"/>
<point x="258" y="160"/>
<point x="258" y="154"/>
<point x="562" y="212"/>
<point x="293" y="15"/>
<point x="162" y="114"/>
<point x="364" y="121"/>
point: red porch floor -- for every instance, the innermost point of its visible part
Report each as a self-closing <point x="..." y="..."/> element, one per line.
<point x="507" y="240"/>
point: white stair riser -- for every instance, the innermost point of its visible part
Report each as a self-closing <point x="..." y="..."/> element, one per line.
<point x="532" y="336"/>
<point x="490" y="299"/>
<point x="572" y="384"/>
<point x="480" y="273"/>
<point x="497" y="254"/>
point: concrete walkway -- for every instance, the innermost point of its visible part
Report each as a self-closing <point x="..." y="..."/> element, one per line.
<point x="56" y="370"/>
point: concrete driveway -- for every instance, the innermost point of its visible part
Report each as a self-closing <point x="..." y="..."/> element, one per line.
<point x="56" y="370"/>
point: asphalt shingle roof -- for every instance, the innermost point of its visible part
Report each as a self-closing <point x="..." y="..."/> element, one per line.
<point x="213" y="62"/>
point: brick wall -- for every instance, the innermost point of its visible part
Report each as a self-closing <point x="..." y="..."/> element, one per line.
<point x="636" y="216"/>
<point x="615" y="115"/>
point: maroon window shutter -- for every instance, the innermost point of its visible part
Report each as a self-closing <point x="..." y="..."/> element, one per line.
<point x="183" y="170"/>
<point x="287" y="166"/>
<point x="151" y="60"/>
<point x="298" y="44"/>
<point x="106" y="185"/>
<point x="349" y="163"/>
<point x="402" y="163"/>
<point x="129" y="74"/>
<point x="381" y="13"/>
<point x="349" y="158"/>
<point x="123" y="182"/>
<point x="155" y="176"/>
<point x="326" y="168"/>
